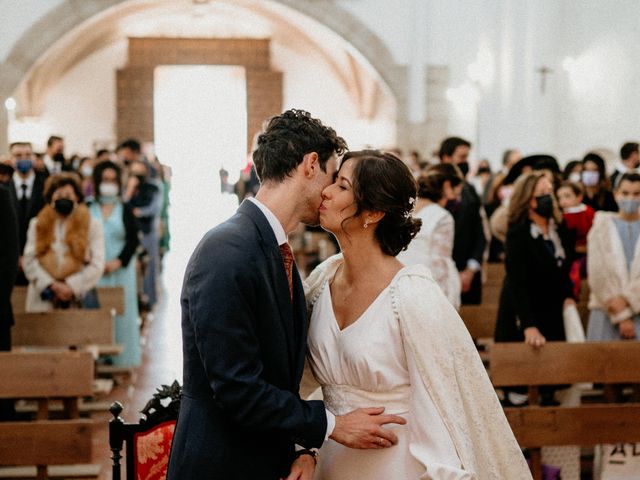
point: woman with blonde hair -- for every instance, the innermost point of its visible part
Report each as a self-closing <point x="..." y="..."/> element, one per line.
<point x="64" y="253"/>
<point x="539" y="252"/>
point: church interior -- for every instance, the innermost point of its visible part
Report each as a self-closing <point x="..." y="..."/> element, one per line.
<point x="164" y="100"/>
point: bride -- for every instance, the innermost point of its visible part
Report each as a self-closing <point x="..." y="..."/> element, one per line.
<point x="384" y="334"/>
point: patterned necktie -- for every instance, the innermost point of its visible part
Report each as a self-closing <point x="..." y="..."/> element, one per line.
<point x="287" y="258"/>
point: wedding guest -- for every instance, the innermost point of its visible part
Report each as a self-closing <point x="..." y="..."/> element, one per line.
<point x="9" y="252"/>
<point x="54" y="161"/>
<point x="573" y="171"/>
<point x="578" y="218"/>
<point x="85" y="169"/>
<point x="539" y="251"/>
<point x="470" y="240"/>
<point x="614" y="266"/>
<point x="628" y="163"/>
<point x="121" y="241"/>
<point x="145" y="199"/>
<point x="433" y="245"/>
<point x="597" y="187"/>
<point x="64" y="253"/>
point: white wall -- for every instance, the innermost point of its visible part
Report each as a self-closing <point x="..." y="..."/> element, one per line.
<point x="17" y="18"/>
<point x="81" y="107"/>
<point x="601" y="90"/>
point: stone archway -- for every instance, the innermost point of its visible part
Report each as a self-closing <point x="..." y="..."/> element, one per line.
<point x="72" y="13"/>
<point x="135" y="82"/>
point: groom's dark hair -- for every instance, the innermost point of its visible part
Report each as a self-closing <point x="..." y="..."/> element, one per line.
<point x="288" y="138"/>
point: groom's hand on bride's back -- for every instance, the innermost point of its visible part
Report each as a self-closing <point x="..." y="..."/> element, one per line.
<point x="362" y="428"/>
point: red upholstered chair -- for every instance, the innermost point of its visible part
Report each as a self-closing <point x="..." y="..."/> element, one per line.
<point x="148" y="442"/>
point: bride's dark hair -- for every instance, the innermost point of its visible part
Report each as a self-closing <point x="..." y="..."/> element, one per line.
<point x="383" y="183"/>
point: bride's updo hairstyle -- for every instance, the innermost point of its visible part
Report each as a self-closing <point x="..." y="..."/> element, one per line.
<point x="383" y="183"/>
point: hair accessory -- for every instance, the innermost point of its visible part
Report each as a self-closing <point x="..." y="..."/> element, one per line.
<point x="412" y="204"/>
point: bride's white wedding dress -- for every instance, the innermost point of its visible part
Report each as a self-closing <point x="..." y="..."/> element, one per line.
<point x="367" y="365"/>
<point x="411" y="353"/>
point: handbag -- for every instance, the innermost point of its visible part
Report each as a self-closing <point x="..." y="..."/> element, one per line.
<point x="620" y="462"/>
<point x="573" y="329"/>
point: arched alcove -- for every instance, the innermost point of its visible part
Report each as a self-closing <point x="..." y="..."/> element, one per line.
<point x="75" y="30"/>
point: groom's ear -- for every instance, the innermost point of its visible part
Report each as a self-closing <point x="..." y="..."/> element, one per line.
<point x="310" y="164"/>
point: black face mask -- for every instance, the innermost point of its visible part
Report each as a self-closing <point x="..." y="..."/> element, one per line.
<point x="544" y="206"/>
<point x="58" y="157"/>
<point x="464" y="168"/>
<point x="63" y="206"/>
<point x="141" y="178"/>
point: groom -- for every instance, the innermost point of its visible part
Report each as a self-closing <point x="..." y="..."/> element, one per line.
<point x="244" y="327"/>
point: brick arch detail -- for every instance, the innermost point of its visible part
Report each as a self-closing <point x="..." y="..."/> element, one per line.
<point x="135" y="82"/>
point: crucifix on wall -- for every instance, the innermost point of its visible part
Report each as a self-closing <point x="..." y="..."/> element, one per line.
<point x="543" y="71"/>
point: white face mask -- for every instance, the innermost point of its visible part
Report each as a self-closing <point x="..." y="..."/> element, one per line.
<point x="87" y="171"/>
<point x="575" y="177"/>
<point x="108" y="190"/>
<point x="590" y="179"/>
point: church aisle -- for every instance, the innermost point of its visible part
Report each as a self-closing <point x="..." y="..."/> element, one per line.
<point x="161" y="364"/>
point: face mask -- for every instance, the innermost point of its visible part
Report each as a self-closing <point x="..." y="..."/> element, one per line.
<point x="58" y="157"/>
<point x="141" y="178"/>
<point x="24" y="166"/>
<point x="575" y="177"/>
<point x="452" y="205"/>
<point x="629" y="206"/>
<point x="464" y="168"/>
<point x="482" y="170"/>
<point x="590" y="179"/>
<point x="108" y="191"/>
<point x="544" y="206"/>
<point x="86" y="171"/>
<point x="63" y="206"/>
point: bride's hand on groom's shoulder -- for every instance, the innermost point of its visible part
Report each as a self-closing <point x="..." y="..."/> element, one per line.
<point x="362" y="428"/>
<point x="302" y="468"/>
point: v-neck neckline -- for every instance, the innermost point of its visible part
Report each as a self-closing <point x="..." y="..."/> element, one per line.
<point x="366" y="310"/>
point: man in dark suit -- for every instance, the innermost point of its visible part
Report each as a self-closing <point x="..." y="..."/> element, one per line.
<point x="28" y="192"/>
<point x="469" y="239"/>
<point x="629" y="162"/>
<point x="244" y="327"/>
<point x="8" y="270"/>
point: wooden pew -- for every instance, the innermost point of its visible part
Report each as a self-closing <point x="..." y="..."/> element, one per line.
<point x="109" y="298"/>
<point x="43" y="376"/>
<point x="560" y="363"/>
<point x="64" y="328"/>
<point x="480" y="320"/>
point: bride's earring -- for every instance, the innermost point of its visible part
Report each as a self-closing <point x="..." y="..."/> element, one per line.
<point x="366" y="224"/>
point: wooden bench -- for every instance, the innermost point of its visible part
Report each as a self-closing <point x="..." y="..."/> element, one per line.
<point x="64" y="328"/>
<point x="480" y="320"/>
<point x="559" y="363"/>
<point x="42" y="377"/>
<point x="109" y="298"/>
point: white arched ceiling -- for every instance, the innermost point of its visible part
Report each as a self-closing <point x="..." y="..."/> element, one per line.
<point x="75" y="30"/>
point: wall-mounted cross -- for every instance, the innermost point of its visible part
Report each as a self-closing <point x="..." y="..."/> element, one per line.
<point x="543" y="71"/>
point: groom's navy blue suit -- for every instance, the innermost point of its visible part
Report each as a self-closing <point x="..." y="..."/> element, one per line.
<point x="244" y="344"/>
